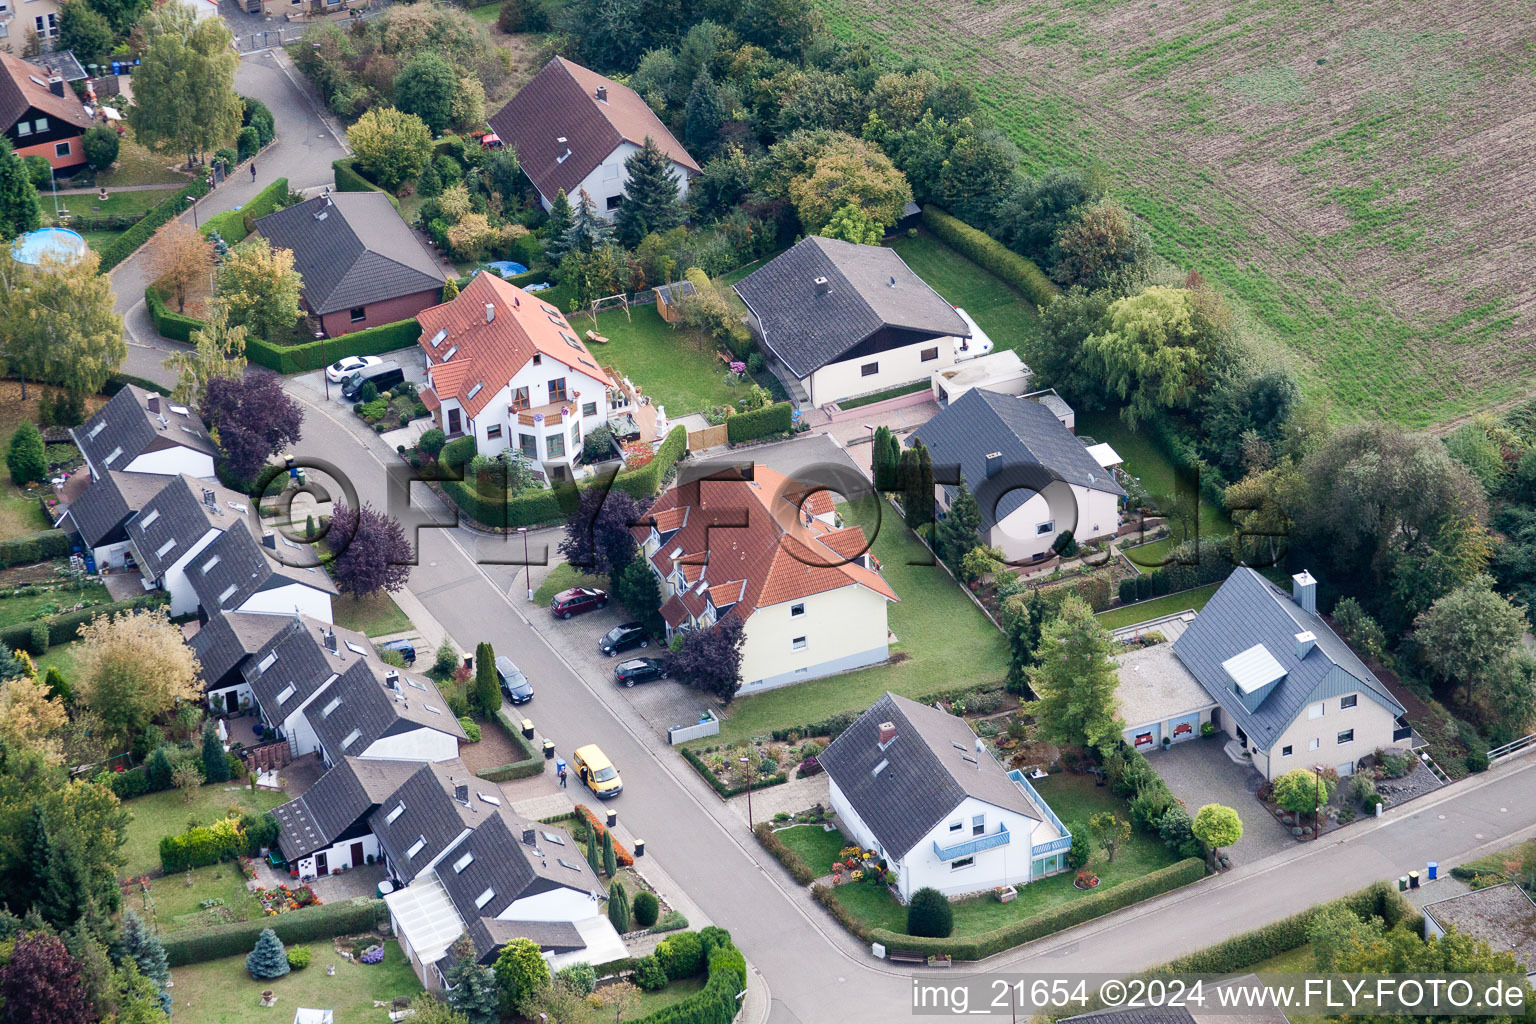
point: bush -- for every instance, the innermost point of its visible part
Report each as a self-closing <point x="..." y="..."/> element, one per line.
<point x="231" y="224"/>
<point x="671" y="921"/>
<point x="299" y="957"/>
<point x="349" y="179"/>
<point x="31" y="548"/>
<point x="649" y="974"/>
<point x="267" y="960"/>
<point x="124" y="245"/>
<point x="471" y="728"/>
<point x="580" y="978"/>
<point x="1096" y="904"/>
<point x="795" y="864"/>
<point x="129" y="784"/>
<point x="646" y="908"/>
<point x="681" y="956"/>
<point x="930" y="915"/>
<point x="248" y="142"/>
<point x="101" y="145"/>
<point x="65" y="627"/>
<point x="981" y="248"/>
<point x="39" y="170"/>
<point x="312" y="355"/>
<point x="201" y="846"/>
<point x="308" y="924"/>
<point x="726" y="792"/>
<point x="258" y="116"/>
<point x="765" y="422"/>
<point x="531" y="764"/>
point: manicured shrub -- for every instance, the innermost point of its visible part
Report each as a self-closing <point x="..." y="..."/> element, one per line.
<point x="247" y="142"/>
<point x="618" y="907"/>
<point x="129" y="784"/>
<point x="649" y="974"/>
<point x="309" y="924"/>
<point x="930" y="915"/>
<point x="25" y="458"/>
<point x="765" y="422"/>
<point x="982" y="248"/>
<point x="267" y="960"/>
<point x="31" y="548"/>
<point x="232" y="225"/>
<point x="681" y="956"/>
<point x="471" y="728"/>
<point x="646" y="908"/>
<point x="201" y="846"/>
<point x="578" y="977"/>
<point x="793" y="863"/>
<point x="299" y="957"/>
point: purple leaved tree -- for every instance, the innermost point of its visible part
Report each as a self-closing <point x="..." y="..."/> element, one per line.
<point x="252" y="419"/>
<point x="370" y="551"/>
<point x="710" y="659"/>
<point x="597" y="536"/>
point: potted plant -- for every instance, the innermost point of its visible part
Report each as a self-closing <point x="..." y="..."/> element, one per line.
<point x="939" y="960"/>
<point x="1086" y="879"/>
<point x="1167" y="742"/>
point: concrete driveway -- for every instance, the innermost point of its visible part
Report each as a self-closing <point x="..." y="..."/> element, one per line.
<point x="1199" y="772"/>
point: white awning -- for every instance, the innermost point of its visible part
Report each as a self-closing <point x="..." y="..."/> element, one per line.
<point x="1104" y="455"/>
<point x="111" y="114"/>
<point x="304" y="1015"/>
<point x="602" y="944"/>
<point x="426" y="917"/>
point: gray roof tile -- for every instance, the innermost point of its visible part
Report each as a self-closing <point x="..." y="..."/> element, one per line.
<point x="226" y="641"/>
<point x="808" y="331"/>
<point x="127" y="422"/>
<point x="349" y="790"/>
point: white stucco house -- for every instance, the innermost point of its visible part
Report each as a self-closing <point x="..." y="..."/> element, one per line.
<point x="807" y="590"/>
<point x="1033" y="478"/>
<point x="915" y="785"/>
<point x="511" y="372"/>
<point x="837" y="320"/>
<point x="573" y="129"/>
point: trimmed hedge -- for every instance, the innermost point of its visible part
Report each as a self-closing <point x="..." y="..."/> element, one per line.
<point x="312" y="355"/>
<point x="176" y="326"/>
<point x="65" y="627"/>
<point x="764" y="422"/>
<point x="979" y="947"/>
<point x="551" y="505"/>
<point x="310" y="924"/>
<point x="231" y="224"/>
<point x="531" y="764"/>
<point x="117" y="381"/>
<point x="623" y="856"/>
<point x="716" y="1002"/>
<point x="982" y="248"/>
<point x="198" y="847"/>
<point x="31" y="548"/>
<point x="125" y="244"/>
<point x="726" y="792"/>
<point x="350" y="179"/>
<point x="792" y="861"/>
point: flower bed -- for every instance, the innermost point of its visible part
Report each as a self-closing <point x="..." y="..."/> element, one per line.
<point x="624" y="857"/>
<point x="283" y="899"/>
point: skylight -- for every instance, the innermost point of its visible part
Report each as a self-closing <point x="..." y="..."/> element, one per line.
<point x="553" y="837"/>
<point x="476" y="389"/>
<point x="161" y="551"/>
<point x="484" y="898"/>
<point x="112" y="455"/>
<point x="228" y="592"/>
<point x="153" y="515"/>
<point x="449" y="354"/>
<point x="566" y="864"/>
<point x="332" y="706"/>
<point x="98" y="428"/>
<point x="571" y="341"/>
<point x="356" y="648"/>
<point x="882" y="766"/>
<point x="416" y="847"/>
<point x="399" y="809"/>
<point x="208" y="565"/>
<point x="352" y="738"/>
<point x="551" y="312"/>
<point x="267" y="662"/>
<point x="434" y="710"/>
<point x="463" y="862"/>
<point x="488" y="798"/>
<point x="287" y="692"/>
<point x="180" y="410"/>
<point x="437" y="339"/>
<point x="415" y="683"/>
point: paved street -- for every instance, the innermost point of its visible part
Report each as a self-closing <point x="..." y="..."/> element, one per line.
<point x="817" y="972"/>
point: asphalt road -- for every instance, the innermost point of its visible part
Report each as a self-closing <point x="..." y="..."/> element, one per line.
<point x="816" y="972"/>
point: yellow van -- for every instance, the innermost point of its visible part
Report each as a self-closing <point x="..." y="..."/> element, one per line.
<point x="593" y="768"/>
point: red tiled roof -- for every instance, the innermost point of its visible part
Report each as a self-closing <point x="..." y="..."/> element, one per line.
<point x="561" y="102"/>
<point x="490" y="353"/>
<point x="775" y="557"/>
<point x="429" y="399"/>
<point x="24" y="85"/>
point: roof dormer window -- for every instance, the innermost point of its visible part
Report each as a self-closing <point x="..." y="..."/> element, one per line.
<point x="112" y="456"/>
<point x="98" y="428"/>
<point x="153" y="515"/>
<point x="437" y="339"/>
<point x="399" y="809"/>
<point x="449" y="354"/>
<point x="416" y="847"/>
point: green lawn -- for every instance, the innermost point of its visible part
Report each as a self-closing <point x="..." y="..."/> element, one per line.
<point x="221" y="992"/>
<point x="175" y="903"/>
<point x="374" y="615"/>
<point x="485" y="14"/>
<point x="60" y="656"/>
<point x="1300" y="960"/>
<point x="1073" y="798"/>
<point x="162" y="814"/>
<point x="1000" y="310"/>
<point x="675" y="992"/>
<point x="136" y="165"/>
<point x="947" y="642"/>
<point x="1146" y="461"/>
<point x="880" y="396"/>
<point x="88" y="208"/>
<point x="20" y="512"/>
<point x="669" y="364"/>
<point x="563" y="577"/>
<point x="14" y="610"/>
<point x="1141" y="611"/>
<point x="816" y="847"/>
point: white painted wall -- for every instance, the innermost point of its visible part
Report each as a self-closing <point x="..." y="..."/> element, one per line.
<point x="552" y="905"/>
<point x="837" y="625"/>
<point x="1008" y="864"/>
<point x="216" y="698"/>
<point x="417" y="745"/>
<point x="1373" y="725"/>
<point x="172" y="462"/>
<point x="183" y="597"/>
<point x="339" y="855"/>
<point x="284" y="600"/>
<point x="609" y="178"/>
<point x="110" y="554"/>
<point x="897" y="366"/>
<point x="1088" y="513"/>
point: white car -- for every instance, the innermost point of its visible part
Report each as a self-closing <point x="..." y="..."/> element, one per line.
<point x="340" y="371"/>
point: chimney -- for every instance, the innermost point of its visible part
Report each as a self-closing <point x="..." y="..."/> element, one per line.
<point x="490" y="312"/>
<point x="528" y="837"/>
<point x="56" y="85"/>
<point x="1304" y="591"/>
<point x="1305" y="641"/>
<point x="461" y="794"/>
<point x="823" y="286"/>
<point x="154" y="403"/>
<point x="565" y="150"/>
<point x="887" y="734"/>
<point x="994" y="463"/>
<point x="602" y="94"/>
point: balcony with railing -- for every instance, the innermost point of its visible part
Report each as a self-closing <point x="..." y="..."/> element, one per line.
<point x="549" y="415"/>
<point x="1052" y="846"/>
<point x="1002" y="837"/>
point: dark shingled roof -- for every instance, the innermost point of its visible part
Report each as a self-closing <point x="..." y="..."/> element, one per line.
<point x="101" y="513"/>
<point x="351" y="789"/>
<point x="555" y="936"/>
<point x="1036" y="448"/>
<point x="808" y="331"/>
<point x="430" y="814"/>
<point x="183" y="511"/>
<point x="561" y="102"/>
<point x="226" y="641"/>
<point x="1247" y="610"/>
<point x="127" y="423"/>
<point x="931" y="767"/>
<point x="244" y="566"/>
<point x="354" y="251"/>
<point x="301" y="663"/>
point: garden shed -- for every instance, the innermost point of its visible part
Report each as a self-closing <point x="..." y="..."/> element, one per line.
<point x="669" y="295"/>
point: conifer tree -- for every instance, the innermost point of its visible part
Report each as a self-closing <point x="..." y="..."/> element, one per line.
<point x="268" y="960"/>
<point x="650" y="201"/>
<point x="215" y="761"/>
<point x="473" y="990"/>
<point x="610" y="859"/>
<point x="618" y="908"/>
<point x="589" y="230"/>
<point x="140" y="943"/>
<point x="592" y="859"/>
<point x="556" y="226"/>
<point x="704" y="117"/>
<point x="881" y="467"/>
<point x="958" y="531"/>
<point x="487" y="690"/>
<point x="917" y="485"/>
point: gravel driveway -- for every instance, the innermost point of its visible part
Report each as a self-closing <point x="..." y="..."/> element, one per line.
<point x="1199" y="772"/>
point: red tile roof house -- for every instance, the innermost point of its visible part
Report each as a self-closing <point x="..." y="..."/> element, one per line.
<point x="41" y="114"/>
<point x="573" y="129"/>
<point x="810" y="595"/>
<point x="361" y="265"/>
<point x="508" y="370"/>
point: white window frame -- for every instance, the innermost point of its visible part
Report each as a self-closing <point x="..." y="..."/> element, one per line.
<point x="978" y="824"/>
<point x="1049" y="526"/>
<point x="164" y="549"/>
<point x="399" y="809"/>
<point x="799" y="643"/>
<point x="1346" y="732"/>
<point x="1314" y="743"/>
<point x="1285" y="751"/>
<point x="154" y="514"/>
<point x="1316" y="710"/>
<point x="462" y="863"/>
<point x="962" y="863"/>
<point x="797" y="610"/>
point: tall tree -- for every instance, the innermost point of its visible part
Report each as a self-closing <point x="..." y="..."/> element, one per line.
<point x="1153" y="352"/>
<point x="917" y="485"/>
<point x="133" y="667"/>
<point x="425" y="87"/>
<point x="215" y="761"/>
<point x="610" y="861"/>
<point x="19" y="212"/>
<point x="556" y="226"/>
<point x="472" y="990"/>
<point x="520" y="972"/>
<point x="260" y="288"/>
<point x="178" y="258"/>
<point x="1103" y="248"/>
<point x="59" y="326"/>
<point x="26" y="456"/>
<point x="252" y="419"/>
<point x="218" y="350"/>
<point x="392" y="146"/>
<point x="487" y="689"/>
<point x="1470" y="634"/>
<point x="650" y="195"/>
<point x="1032" y="215"/>
<point x="140" y="943"/>
<point x="589" y="230"/>
<point x="1023" y="618"/>
<point x="1057" y="352"/>
<point x="710" y="659"/>
<point x="849" y="171"/>
<point x="705" y="118"/>
<point x="618" y="907"/>
<point x="1110" y="831"/>
<point x="1075" y="678"/>
<point x="851" y="224"/>
<point x="184" y="89"/>
<point x="881" y="467"/>
<point x="122" y="15"/>
<point x="40" y="984"/>
<point x="84" y="31"/>
<point x="638" y="590"/>
<point x="369" y="551"/>
<point x="597" y="532"/>
<point x="959" y="530"/>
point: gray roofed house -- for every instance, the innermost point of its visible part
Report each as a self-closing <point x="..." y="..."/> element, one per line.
<point x="101" y="514"/>
<point x="140" y="432"/>
<point x="291" y="667"/>
<point x="225" y="642"/>
<point x="235" y="572"/>
<point x="1504" y="916"/>
<point x="429" y="816"/>
<point x="1246" y="613"/>
<point x="181" y="514"/>
<point x="826" y="302"/>
<point x="355" y="255"/>
<point x="337" y="804"/>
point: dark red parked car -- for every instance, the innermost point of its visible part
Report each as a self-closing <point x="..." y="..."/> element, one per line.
<point x="577" y="600"/>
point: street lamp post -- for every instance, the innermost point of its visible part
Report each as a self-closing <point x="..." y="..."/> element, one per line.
<point x="527" y="565"/>
<point x="193" y="201"/>
<point x="1317" y="800"/>
<point x="748" y="762"/>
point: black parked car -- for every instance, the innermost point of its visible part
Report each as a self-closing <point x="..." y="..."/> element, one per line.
<point x="622" y="638"/>
<point x="513" y="683"/>
<point x="639" y="670"/>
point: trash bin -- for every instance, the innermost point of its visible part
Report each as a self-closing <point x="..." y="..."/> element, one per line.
<point x="1434" y="870"/>
<point x="559" y="765"/>
<point x="527" y="728"/>
<point x="639" y="847"/>
<point x="1402" y="883"/>
<point x="117" y="67"/>
<point x="613" y="817"/>
<point x="549" y="749"/>
<point x="1413" y="879"/>
<point x="386" y="887"/>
